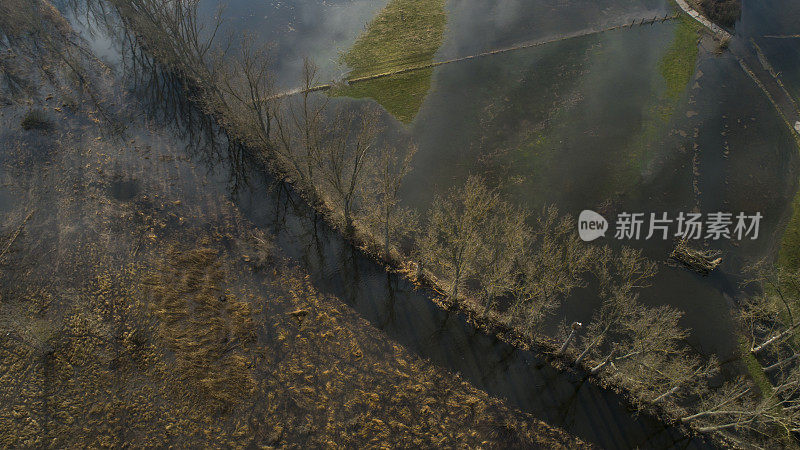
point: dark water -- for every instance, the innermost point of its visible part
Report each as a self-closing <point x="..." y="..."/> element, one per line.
<point x="576" y="123"/>
<point x="569" y="121"/>
<point x="775" y="26"/>
<point x="409" y="316"/>
<point x="475" y="26"/>
<point x="317" y="29"/>
<point x="405" y="314"/>
<point x="573" y="124"/>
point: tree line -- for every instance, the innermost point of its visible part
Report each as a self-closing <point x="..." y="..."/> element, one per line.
<point x="491" y="257"/>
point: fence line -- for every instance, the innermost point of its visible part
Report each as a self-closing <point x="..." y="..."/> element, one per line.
<point x="356" y="80"/>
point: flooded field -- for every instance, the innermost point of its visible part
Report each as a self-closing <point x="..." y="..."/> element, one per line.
<point x="637" y="119"/>
<point x="408" y="315"/>
<point x="199" y="242"/>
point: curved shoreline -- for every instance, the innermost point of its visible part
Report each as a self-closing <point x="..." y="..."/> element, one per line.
<point x="696" y="15"/>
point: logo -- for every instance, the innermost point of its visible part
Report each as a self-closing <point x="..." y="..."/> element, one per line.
<point x="591" y="225"/>
<point x="694" y="225"/>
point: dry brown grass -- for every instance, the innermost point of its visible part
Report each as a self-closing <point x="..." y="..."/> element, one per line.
<point x="166" y="320"/>
<point x="207" y="330"/>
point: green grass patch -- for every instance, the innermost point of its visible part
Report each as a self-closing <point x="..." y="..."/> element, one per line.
<point x="676" y="67"/>
<point x="756" y="372"/>
<point x="406" y="33"/>
<point x="402" y="95"/>
<point x="678" y="63"/>
<point x="789" y="254"/>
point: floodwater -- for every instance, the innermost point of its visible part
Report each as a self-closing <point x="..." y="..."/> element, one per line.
<point x="577" y="124"/>
<point x="294" y="30"/>
<point x="570" y="123"/>
<point x="773" y="25"/>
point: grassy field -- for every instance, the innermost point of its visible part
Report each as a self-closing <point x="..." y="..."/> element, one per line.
<point x="406" y="33"/>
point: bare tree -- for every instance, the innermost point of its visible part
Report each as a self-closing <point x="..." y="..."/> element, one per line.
<point x="620" y="276"/>
<point x="504" y="242"/>
<point x="653" y="360"/>
<point x="617" y="307"/>
<point x="174" y="35"/>
<point x="327" y="154"/>
<point x="574" y="329"/>
<point x="455" y="229"/>
<point x="732" y="403"/>
<point x="756" y="418"/>
<point x="345" y="159"/>
<point x="556" y="263"/>
<point x="388" y="175"/>
<point x="246" y="89"/>
<point x="770" y="317"/>
<point x="299" y="130"/>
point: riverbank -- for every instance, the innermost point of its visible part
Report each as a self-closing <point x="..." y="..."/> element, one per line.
<point x="356" y="232"/>
<point x="755" y="65"/>
<point x="715" y="29"/>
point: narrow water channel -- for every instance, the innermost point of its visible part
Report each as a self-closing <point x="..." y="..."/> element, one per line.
<point x="409" y="316"/>
<point x="404" y="313"/>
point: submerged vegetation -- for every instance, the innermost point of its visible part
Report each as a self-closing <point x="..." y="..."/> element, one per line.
<point x="768" y="403"/>
<point x="405" y="34"/>
<point x="789" y="251"/>
<point x="203" y="326"/>
<point x="678" y="64"/>
<point x="402" y="95"/>
<point x="676" y="67"/>
<point x="222" y="343"/>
